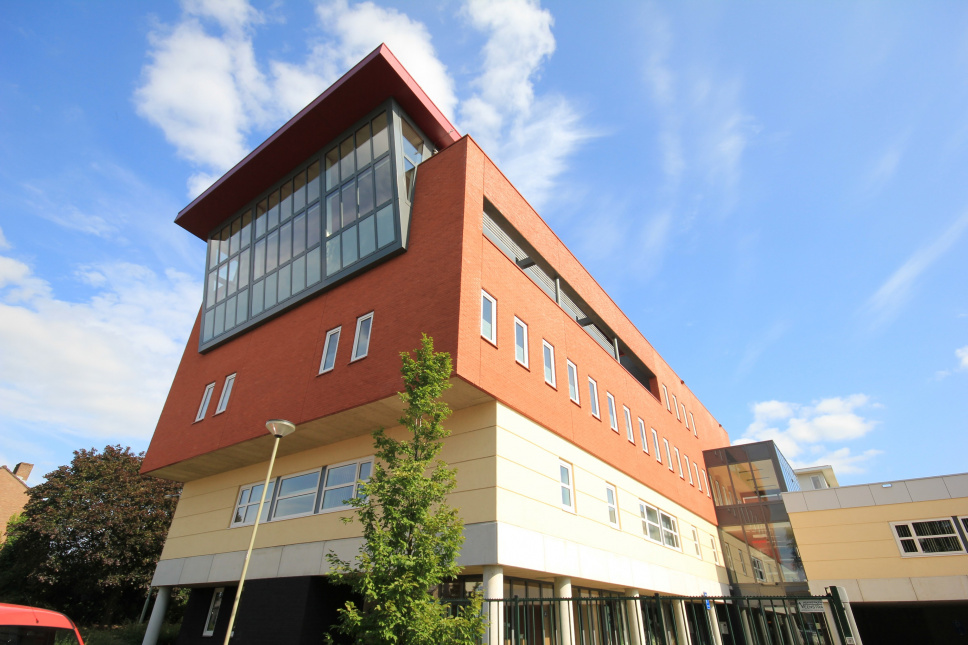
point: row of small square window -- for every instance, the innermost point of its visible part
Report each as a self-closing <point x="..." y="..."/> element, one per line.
<point x="521" y="351"/>
<point x="930" y="537"/>
<point x="361" y="346"/>
<point x="521" y="355"/>
<point x="657" y="525"/>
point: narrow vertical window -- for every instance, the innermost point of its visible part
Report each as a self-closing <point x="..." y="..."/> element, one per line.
<point x="665" y="391"/>
<point x="642" y="436"/>
<point x="695" y="542"/>
<point x="679" y="461"/>
<point x="675" y="404"/>
<point x="655" y="444"/>
<point x="223" y="399"/>
<point x="665" y="442"/>
<point x="206" y="397"/>
<point x="520" y="342"/>
<point x="213" y="608"/>
<point x="611" y="499"/>
<point x="628" y="425"/>
<point x="573" y="382"/>
<point x="689" y="470"/>
<point x="683" y="406"/>
<point x="361" y="344"/>
<point x="612" y="420"/>
<point x="549" y="363"/>
<point x="712" y="545"/>
<point x="329" y="350"/>
<point x="488" y="317"/>
<point x="593" y="396"/>
<point x="692" y="424"/>
<point x="567" y="486"/>
<point x="705" y="479"/>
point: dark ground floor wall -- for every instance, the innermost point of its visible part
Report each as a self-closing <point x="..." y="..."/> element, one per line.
<point x="924" y="623"/>
<point x="280" y="611"/>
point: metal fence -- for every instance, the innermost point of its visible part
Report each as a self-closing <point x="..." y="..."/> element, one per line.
<point x="658" y="620"/>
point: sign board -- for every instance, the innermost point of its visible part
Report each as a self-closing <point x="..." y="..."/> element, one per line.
<point x="810" y="606"/>
<point x="850" y="640"/>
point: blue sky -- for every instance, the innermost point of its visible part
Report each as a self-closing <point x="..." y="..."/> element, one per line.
<point x="775" y="193"/>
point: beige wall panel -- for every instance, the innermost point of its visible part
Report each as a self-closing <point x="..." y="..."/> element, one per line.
<point x="477" y="473"/>
<point x="475" y="505"/>
<point x="848" y="551"/>
<point x="881" y="568"/>
<point x="846" y="517"/>
<point x="868" y="532"/>
<point x="201" y="523"/>
<point x="941" y="587"/>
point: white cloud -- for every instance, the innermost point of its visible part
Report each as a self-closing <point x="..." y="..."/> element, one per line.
<point x="529" y="137"/>
<point x="4" y="244"/>
<point x="962" y="355"/>
<point x="887" y="301"/>
<point x="96" y="369"/>
<point x="803" y="432"/>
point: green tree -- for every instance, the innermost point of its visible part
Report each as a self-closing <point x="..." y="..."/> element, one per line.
<point x="89" y="537"/>
<point x="411" y="536"/>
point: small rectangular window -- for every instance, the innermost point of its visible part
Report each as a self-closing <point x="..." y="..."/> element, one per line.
<point x="643" y="437"/>
<point x="695" y="467"/>
<point x="628" y="425"/>
<point x="593" y="397"/>
<point x="757" y="569"/>
<point x="223" y="399"/>
<point x="520" y="342"/>
<point x="213" y="608"/>
<point x="683" y="406"/>
<point x="706" y="479"/>
<point x="692" y="424"/>
<point x="679" y="461"/>
<point x="665" y="442"/>
<point x="689" y="470"/>
<point x="567" y="486"/>
<point x="297" y="495"/>
<point x="330" y="347"/>
<point x="341" y="484"/>
<point x="927" y="537"/>
<point x="655" y="444"/>
<point x="712" y="545"/>
<point x="665" y="392"/>
<point x="247" y="504"/>
<point x="670" y="530"/>
<point x="206" y="398"/>
<point x="675" y="404"/>
<point x="573" y="382"/>
<point x="695" y="542"/>
<point x="611" y="499"/>
<point x="549" y="363"/>
<point x="361" y="344"/>
<point x="612" y="421"/>
<point x="650" y="522"/>
<point x="488" y="317"/>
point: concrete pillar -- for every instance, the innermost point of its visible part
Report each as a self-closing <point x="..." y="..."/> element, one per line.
<point x="494" y="589"/>
<point x="566" y="622"/>
<point x="850" y="615"/>
<point x="157" y="616"/>
<point x="682" y="627"/>
<point x="714" y="623"/>
<point x="633" y="608"/>
<point x="831" y="624"/>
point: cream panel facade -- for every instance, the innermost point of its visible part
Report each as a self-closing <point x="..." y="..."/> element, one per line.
<point x="551" y="540"/>
<point x="201" y="523"/>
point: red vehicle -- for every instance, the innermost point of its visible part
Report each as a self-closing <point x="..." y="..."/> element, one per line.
<point x="21" y="625"/>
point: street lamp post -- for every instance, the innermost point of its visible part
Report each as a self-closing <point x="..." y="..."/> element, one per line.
<point x="279" y="429"/>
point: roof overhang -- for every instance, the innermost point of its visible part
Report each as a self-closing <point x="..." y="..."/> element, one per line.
<point x="375" y="79"/>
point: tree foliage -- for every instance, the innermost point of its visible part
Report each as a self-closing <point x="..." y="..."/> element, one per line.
<point x="411" y="536"/>
<point x="89" y="537"/>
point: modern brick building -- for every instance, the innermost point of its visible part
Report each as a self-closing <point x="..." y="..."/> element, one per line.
<point x="362" y="223"/>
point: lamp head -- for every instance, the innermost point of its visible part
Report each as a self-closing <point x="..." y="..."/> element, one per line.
<point x="280" y="428"/>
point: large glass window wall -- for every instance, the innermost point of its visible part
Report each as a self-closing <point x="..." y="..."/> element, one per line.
<point x="336" y="213"/>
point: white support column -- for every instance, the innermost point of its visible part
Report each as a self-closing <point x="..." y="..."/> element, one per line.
<point x="157" y="616"/>
<point x="845" y="601"/>
<point x="831" y="623"/>
<point x="714" y="623"/>
<point x="494" y="588"/>
<point x="682" y="627"/>
<point x="566" y="623"/>
<point x="634" y="610"/>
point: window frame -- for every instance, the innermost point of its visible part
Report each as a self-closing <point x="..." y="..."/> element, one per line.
<point x="493" y="322"/>
<point x="564" y="466"/>
<point x="336" y="331"/>
<point x="211" y="621"/>
<point x="266" y="508"/>
<point x="525" y="349"/>
<point x="322" y="487"/>
<point x="223" y="398"/>
<point x="696" y="543"/>
<point x="205" y="402"/>
<point x="692" y="424"/>
<point x="668" y="454"/>
<point x="706" y="479"/>
<point x="630" y="434"/>
<point x="612" y="413"/>
<point x="277" y="496"/>
<point x="695" y="467"/>
<point x="655" y="444"/>
<point x="915" y="538"/>
<point x="643" y="436"/>
<point x="545" y="345"/>
<point x="612" y="506"/>
<point x="679" y="461"/>
<point x="665" y="390"/>
<point x="712" y="545"/>
<point x="675" y="404"/>
<point x="356" y="339"/>
<point x="573" y="392"/>
<point x="759" y="572"/>
<point x="593" y="395"/>
<point x="663" y="531"/>
<point x="647" y="523"/>
<point x="683" y="406"/>
<point x="688" y="469"/>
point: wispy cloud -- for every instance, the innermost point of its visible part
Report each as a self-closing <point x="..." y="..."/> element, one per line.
<point x="97" y="369"/>
<point x="962" y="355"/>
<point x="759" y="345"/>
<point x="888" y="300"/>
<point x="804" y="432"/>
<point x="885" y="166"/>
